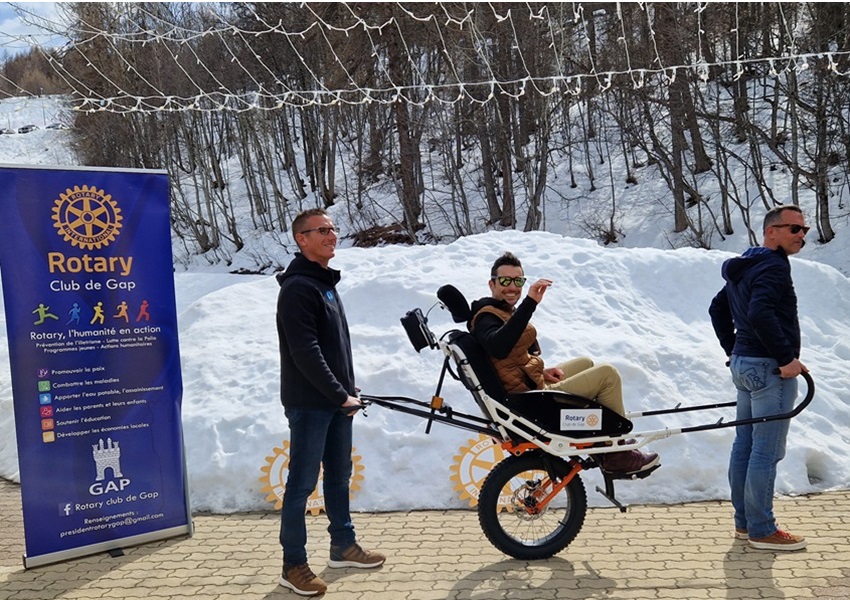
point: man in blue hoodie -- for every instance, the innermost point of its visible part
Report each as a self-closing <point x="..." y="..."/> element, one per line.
<point x="755" y="319"/>
<point x="319" y="399"/>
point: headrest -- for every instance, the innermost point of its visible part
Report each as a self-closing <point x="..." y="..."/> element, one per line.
<point x="454" y="300"/>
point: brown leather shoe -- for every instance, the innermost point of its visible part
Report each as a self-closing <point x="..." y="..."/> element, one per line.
<point x="781" y="541"/>
<point x="743" y="534"/>
<point x="301" y="580"/>
<point x="355" y="556"/>
<point x="628" y="461"/>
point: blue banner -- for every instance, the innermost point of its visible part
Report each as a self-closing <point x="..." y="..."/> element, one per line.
<point x="88" y="288"/>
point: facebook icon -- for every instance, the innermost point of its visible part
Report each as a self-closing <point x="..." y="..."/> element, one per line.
<point x="65" y="509"/>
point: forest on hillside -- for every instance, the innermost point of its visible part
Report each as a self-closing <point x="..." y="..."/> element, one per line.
<point x="418" y="114"/>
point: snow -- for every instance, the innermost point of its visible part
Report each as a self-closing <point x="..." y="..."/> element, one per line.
<point x="644" y="310"/>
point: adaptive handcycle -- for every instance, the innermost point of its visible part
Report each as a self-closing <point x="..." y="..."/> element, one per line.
<point x="533" y="504"/>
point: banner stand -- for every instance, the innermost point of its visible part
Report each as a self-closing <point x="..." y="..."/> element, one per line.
<point x="88" y="290"/>
<point x="136" y="540"/>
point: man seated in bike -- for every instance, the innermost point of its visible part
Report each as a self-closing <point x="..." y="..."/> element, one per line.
<point x="502" y="326"/>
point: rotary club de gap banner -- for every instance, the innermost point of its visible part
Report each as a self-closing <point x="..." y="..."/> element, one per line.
<point x="88" y="289"/>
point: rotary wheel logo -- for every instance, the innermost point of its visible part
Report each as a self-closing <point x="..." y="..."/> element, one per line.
<point x="274" y="479"/>
<point x="471" y="467"/>
<point x="87" y="217"/>
<point x="592" y="420"/>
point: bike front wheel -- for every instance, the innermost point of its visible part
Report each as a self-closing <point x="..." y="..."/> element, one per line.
<point x="513" y="516"/>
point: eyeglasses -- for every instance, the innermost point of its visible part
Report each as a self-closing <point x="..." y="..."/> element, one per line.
<point x="322" y="230"/>
<point x="795" y="229"/>
<point x="505" y="281"/>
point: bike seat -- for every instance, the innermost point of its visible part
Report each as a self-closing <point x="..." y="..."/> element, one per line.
<point x="567" y="414"/>
<point x="555" y="412"/>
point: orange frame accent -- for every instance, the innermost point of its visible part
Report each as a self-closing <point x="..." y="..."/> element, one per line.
<point x="517" y="449"/>
<point x="556" y="489"/>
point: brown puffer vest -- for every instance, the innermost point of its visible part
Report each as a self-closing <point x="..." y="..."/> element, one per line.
<point x="520" y="369"/>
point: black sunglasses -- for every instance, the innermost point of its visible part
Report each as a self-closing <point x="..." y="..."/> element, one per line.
<point x="322" y="230"/>
<point x="795" y="229"/>
<point x="505" y="281"/>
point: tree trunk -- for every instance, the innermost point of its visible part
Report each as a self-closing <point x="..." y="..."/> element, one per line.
<point x="488" y="165"/>
<point x="826" y="234"/>
<point x="411" y="205"/>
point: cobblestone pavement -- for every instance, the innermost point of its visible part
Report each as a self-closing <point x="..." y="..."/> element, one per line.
<point x="671" y="551"/>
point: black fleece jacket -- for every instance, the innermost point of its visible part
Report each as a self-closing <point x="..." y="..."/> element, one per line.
<point x="317" y="370"/>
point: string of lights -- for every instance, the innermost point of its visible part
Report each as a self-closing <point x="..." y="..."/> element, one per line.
<point x="222" y="58"/>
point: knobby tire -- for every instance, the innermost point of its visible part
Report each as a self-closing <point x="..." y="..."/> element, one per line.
<point x="510" y="527"/>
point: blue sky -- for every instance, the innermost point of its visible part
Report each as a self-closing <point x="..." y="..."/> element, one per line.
<point x="16" y="35"/>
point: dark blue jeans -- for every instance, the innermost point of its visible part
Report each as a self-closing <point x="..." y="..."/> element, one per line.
<point x="316" y="438"/>
<point x="758" y="448"/>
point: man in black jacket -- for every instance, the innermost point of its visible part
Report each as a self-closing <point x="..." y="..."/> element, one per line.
<point x="319" y="399"/>
<point x="502" y="325"/>
<point x="755" y="319"/>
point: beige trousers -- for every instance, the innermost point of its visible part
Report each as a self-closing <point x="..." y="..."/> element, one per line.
<point x="600" y="382"/>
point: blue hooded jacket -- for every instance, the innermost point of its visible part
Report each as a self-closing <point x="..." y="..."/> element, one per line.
<point x="755" y="314"/>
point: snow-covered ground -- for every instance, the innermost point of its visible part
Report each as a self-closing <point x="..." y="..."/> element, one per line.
<point x="642" y="309"/>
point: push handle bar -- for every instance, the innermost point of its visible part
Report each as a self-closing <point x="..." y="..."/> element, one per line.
<point x="810" y="393"/>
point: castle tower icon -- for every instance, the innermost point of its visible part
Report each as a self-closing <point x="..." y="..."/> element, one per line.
<point x="107" y="457"/>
